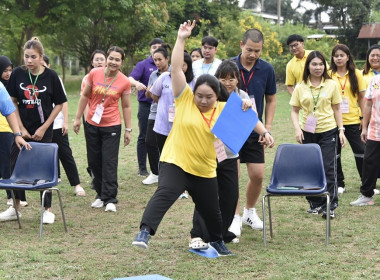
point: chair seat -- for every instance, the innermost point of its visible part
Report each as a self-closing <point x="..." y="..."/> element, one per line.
<point x="25" y="185"/>
<point x="288" y="190"/>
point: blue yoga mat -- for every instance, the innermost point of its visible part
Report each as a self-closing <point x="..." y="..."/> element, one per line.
<point x="209" y="253"/>
<point x="145" y="277"/>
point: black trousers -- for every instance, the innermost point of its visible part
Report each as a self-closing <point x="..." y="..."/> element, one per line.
<point x="6" y="141"/>
<point x="142" y="116"/>
<point x="14" y="154"/>
<point x="152" y="148"/>
<point x="65" y="155"/>
<point x="160" y="141"/>
<point x="228" y="183"/>
<point x="328" y="143"/>
<point x="102" y="154"/>
<point x="371" y="167"/>
<point x="173" y="181"/>
<point x="352" y="134"/>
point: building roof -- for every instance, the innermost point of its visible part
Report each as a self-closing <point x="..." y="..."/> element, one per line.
<point x="370" y="31"/>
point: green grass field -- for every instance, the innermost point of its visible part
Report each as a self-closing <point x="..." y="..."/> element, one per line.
<point x="98" y="244"/>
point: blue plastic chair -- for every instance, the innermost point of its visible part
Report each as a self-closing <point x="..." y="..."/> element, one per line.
<point x="297" y="171"/>
<point x="35" y="170"/>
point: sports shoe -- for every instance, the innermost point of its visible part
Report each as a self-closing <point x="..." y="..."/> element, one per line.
<point x="142" y="239"/>
<point x="143" y="173"/>
<point x="10" y="202"/>
<point x="332" y="214"/>
<point x="9" y="214"/>
<point x="48" y="217"/>
<point x="151" y="179"/>
<point x="315" y="211"/>
<point x="110" y="207"/>
<point x="250" y="218"/>
<point x="363" y="201"/>
<point x="376" y="191"/>
<point x="23" y="203"/>
<point x="184" y="195"/>
<point x="341" y="190"/>
<point x="235" y="240"/>
<point x="220" y="248"/>
<point x="97" y="203"/>
<point x="235" y="226"/>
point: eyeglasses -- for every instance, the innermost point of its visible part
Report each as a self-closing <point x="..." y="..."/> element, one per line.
<point x="294" y="46"/>
<point x="224" y="81"/>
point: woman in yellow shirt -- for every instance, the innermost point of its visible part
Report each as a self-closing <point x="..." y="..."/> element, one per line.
<point x="372" y="63"/>
<point x="188" y="159"/>
<point x="352" y="88"/>
<point x="319" y="98"/>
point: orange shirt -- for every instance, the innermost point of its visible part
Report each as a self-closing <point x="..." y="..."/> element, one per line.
<point x="111" y="114"/>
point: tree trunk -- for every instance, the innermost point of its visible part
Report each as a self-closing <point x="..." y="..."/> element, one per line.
<point x="62" y="57"/>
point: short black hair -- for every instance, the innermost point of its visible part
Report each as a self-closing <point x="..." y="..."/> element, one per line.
<point x="294" y="37"/>
<point x="46" y="59"/>
<point x="156" y="41"/>
<point x="254" y="35"/>
<point x="209" y="40"/>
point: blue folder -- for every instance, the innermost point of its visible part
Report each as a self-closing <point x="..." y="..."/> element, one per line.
<point x="234" y="125"/>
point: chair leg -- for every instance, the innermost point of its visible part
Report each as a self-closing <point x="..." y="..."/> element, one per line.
<point x="61" y="205"/>
<point x="270" y="218"/>
<point x="14" y="205"/>
<point x="328" y="230"/>
<point x="264" y="220"/>
<point x="42" y="211"/>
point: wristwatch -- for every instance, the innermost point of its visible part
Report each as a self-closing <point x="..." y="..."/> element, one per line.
<point x="17" y="134"/>
<point x="128" y="129"/>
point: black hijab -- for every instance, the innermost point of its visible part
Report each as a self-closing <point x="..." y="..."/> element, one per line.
<point x="4" y="63"/>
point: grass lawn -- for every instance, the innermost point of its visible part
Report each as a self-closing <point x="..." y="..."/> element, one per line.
<point x="98" y="244"/>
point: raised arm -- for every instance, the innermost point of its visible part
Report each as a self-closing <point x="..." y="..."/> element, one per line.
<point x="177" y="75"/>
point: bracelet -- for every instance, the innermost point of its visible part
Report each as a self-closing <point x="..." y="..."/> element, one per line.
<point x="266" y="133"/>
<point x="128" y="129"/>
<point x="342" y="128"/>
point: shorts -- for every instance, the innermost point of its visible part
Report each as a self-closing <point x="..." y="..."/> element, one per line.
<point x="252" y="152"/>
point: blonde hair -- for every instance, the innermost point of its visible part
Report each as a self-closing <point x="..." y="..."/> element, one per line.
<point x="34" y="43"/>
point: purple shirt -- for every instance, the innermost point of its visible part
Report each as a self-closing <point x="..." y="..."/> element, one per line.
<point x="141" y="73"/>
<point x="163" y="89"/>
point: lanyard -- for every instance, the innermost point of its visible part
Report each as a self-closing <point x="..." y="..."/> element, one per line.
<point x="208" y="68"/>
<point x="249" y="79"/>
<point x="342" y="87"/>
<point x="315" y="101"/>
<point x="34" y="83"/>
<point x="208" y="121"/>
<point x="105" y="82"/>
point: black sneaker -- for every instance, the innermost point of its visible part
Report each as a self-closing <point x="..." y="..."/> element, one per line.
<point x="220" y="248"/>
<point x="315" y="211"/>
<point x="141" y="239"/>
<point x="332" y="214"/>
<point x="143" y="173"/>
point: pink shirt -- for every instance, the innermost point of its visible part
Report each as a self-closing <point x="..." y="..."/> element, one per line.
<point x="111" y="114"/>
<point x="373" y="94"/>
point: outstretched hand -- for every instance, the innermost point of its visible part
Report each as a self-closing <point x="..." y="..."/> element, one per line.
<point x="185" y="28"/>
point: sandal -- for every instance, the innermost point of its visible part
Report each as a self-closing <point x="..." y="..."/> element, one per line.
<point x="79" y="191"/>
<point x="198" y="244"/>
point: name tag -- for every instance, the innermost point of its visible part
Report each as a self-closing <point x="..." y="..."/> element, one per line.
<point x="311" y="123"/>
<point x="98" y="113"/>
<point x="220" y="150"/>
<point x="171" y="113"/>
<point x="345" y="105"/>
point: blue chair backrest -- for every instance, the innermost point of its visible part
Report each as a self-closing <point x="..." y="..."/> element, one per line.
<point x="298" y="165"/>
<point x="39" y="163"/>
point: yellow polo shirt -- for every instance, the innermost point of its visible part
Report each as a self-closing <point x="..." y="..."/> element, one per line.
<point x="190" y="144"/>
<point x="352" y="117"/>
<point x="294" y="69"/>
<point x="367" y="77"/>
<point x="4" y="126"/>
<point x="329" y="95"/>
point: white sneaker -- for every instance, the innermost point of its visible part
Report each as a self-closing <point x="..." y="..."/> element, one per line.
<point x="184" y="195"/>
<point x="23" y="203"/>
<point x="9" y="215"/>
<point x="235" y="226"/>
<point x="151" y="179"/>
<point x="97" y="203"/>
<point x="250" y="218"/>
<point x="363" y="201"/>
<point x="48" y="217"/>
<point x="341" y="190"/>
<point x="376" y="191"/>
<point x="110" y="207"/>
<point x="10" y="202"/>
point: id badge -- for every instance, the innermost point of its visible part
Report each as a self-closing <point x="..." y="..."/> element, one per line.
<point x="345" y="105"/>
<point x="311" y="123"/>
<point x="98" y="113"/>
<point x="41" y="113"/>
<point x="254" y="104"/>
<point x="220" y="150"/>
<point x="171" y="113"/>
